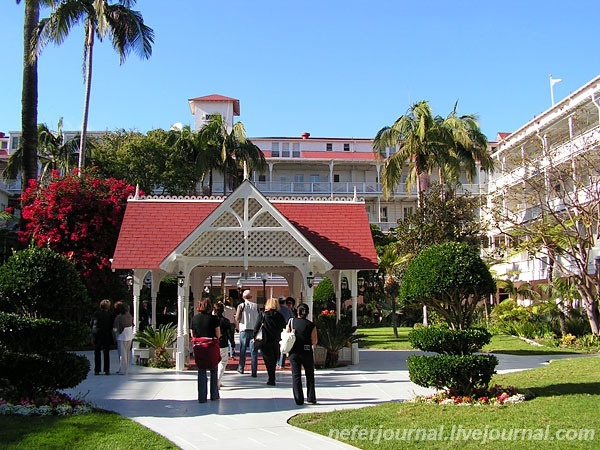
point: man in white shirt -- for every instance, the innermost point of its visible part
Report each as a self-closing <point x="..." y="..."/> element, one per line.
<point x="247" y="316"/>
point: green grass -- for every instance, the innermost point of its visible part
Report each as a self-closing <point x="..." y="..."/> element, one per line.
<point x="567" y="397"/>
<point x="383" y="339"/>
<point x="98" y="431"/>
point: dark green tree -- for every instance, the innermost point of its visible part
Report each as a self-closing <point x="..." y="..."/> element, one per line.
<point x="451" y="278"/>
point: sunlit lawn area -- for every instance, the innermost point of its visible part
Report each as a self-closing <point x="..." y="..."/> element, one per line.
<point x="96" y="431"/>
<point x="383" y="339"/>
<point x="567" y="397"/>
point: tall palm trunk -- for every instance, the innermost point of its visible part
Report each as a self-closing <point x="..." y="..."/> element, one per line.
<point x="29" y="97"/>
<point x="88" y="89"/>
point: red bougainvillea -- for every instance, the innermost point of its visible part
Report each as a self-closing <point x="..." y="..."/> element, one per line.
<point x="78" y="217"/>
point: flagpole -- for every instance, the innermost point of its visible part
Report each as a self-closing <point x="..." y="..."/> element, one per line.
<point x="553" y="81"/>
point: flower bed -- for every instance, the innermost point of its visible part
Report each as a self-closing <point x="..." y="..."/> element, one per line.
<point x="496" y="395"/>
<point x="58" y="404"/>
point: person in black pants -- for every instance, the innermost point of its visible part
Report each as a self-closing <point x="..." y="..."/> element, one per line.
<point x="102" y="336"/>
<point x="301" y="355"/>
<point x="273" y="324"/>
<point x="204" y="324"/>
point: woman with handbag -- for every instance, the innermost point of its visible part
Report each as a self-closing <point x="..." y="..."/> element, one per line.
<point x="301" y="355"/>
<point x="272" y="324"/>
<point x="205" y="325"/>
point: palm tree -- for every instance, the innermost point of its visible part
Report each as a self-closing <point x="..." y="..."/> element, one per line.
<point x="227" y="150"/>
<point x="390" y="262"/>
<point x="29" y="95"/>
<point x="123" y="25"/>
<point x="53" y="152"/>
<point x="415" y="134"/>
<point x="56" y="153"/>
<point x="450" y="144"/>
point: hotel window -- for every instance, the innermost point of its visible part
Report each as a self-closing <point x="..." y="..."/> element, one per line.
<point x="3" y="145"/>
<point x="383" y="214"/>
<point x="346" y="147"/>
<point x="262" y="178"/>
<point x="285" y="150"/>
<point x="336" y="178"/>
<point x="296" y="150"/>
<point x="275" y="149"/>
<point x="314" y="178"/>
<point x="329" y="147"/>
<point x="408" y="211"/>
<point x="14" y="142"/>
<point x="299" y="178"/>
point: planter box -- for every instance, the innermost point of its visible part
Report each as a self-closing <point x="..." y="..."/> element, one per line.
<point x="319" y="355"/>
<point x="141" y="355"/>
<point x="345" y="355"/>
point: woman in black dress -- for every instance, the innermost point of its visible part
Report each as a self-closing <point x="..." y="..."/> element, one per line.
<point x="273" y="324"/>
<point x="102" y="335"/>
<point x="301" y="355"/>
<point x="204" y="324"/>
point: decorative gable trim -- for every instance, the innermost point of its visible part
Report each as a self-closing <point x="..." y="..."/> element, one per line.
<point x="245" y="226"/>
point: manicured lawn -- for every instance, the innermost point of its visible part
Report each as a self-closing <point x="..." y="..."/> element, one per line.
<point x="97" y="431"/>
<point x="383" y="339"/>
<point x="567" y="397"/>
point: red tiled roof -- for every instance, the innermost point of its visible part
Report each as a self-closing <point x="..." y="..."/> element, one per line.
<point x="152" y="229"/>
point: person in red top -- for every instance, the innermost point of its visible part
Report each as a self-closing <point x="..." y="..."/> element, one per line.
<point x="204" y="324"/>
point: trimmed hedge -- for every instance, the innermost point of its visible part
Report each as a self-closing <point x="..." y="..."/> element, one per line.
<point x="27" y="335"/>
<point x="31" y="374"/>
<point x="449" y="342"/>
<point x="460" y="374"/>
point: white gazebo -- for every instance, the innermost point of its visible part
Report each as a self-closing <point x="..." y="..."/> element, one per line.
<point x="196" y="237"/>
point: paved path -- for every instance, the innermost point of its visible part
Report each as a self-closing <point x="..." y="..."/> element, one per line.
<point x="250" y="414"/>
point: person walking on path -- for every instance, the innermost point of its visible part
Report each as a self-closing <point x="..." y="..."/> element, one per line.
<point x="225" y="327"/>
<point x="287" y="311"/>
<point x="102" y="336"/>
<point x="273" y="324"/>
<point x="123" y="329"/>
<point x="229" y="314"/>
<point x="247" y="316"/>
<point x="205" y="324"/>
<point x="301" y="355"/>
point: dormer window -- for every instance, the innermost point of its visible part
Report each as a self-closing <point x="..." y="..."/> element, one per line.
<point x="346" y="147"/>
<point x="329" y="147"/>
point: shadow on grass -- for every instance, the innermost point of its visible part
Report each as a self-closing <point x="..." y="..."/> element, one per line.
<point x="566" y="389"/>
<point x="548" y="352"/>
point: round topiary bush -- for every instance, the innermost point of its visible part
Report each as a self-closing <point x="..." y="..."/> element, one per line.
<point x="451" y="278"/>
<point x="460" y="374"/>
<point x="38" y="282"/>
<point x="449" y="342"/>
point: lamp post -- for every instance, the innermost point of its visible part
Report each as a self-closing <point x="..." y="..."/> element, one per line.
<point x="264" y="277"/>
<point x="310" y="279"/>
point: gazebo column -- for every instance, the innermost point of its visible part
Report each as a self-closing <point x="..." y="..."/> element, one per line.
<point x="354" y="292"/>
<point x="137" y="281"/>
<point x="181" y="315"/>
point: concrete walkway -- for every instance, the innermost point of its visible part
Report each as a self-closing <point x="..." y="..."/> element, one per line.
<point x="251" y="414"/>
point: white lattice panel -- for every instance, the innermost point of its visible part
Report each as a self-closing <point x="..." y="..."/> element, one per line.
<point x="217" y="244"/>
<point x="226" y="220"/>
<point x="266" y="220"/>
<point x="253" y="207"/>
<point x="238" y="207"/>
<point x="274" y="244"/>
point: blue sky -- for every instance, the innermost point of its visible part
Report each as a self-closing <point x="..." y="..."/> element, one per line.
<point x="332" y="68"/>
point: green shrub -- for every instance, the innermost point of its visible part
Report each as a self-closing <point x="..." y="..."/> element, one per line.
<point x="159" y="339"/>
<point x="324" y="294"/>
<point x="449" y="342"/>
<point x="27" y="335"/>
<point x="451" y="279"/>
<point x="38" y="282"/>
<point x="460" y="374"/>
<point x="34" y="374"/>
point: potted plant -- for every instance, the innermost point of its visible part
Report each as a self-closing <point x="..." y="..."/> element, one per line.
<point x="335" y="334"/>
<point x="159" y="339"/>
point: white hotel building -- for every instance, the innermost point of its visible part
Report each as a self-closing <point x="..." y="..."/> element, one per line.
<point x="307" y="166"/>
